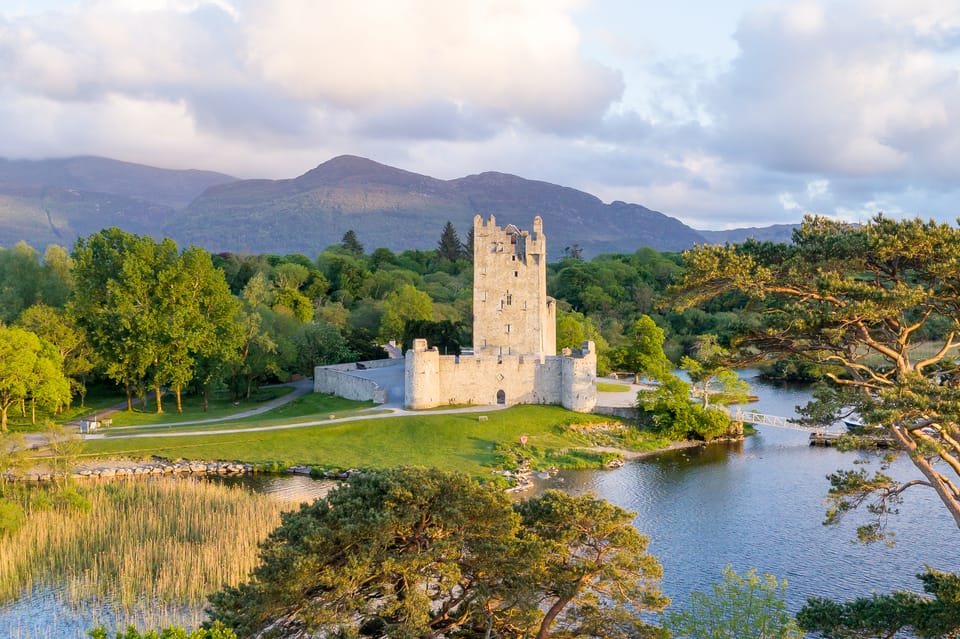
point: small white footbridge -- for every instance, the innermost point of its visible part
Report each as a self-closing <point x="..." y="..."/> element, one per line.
<point x="737" y="414"/>
<point x="819" y="435"/>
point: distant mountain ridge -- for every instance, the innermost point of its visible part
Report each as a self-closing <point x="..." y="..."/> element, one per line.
<point x="55" y="201"/>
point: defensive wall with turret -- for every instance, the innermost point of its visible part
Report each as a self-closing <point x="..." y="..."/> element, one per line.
<point x="514" y="358"/>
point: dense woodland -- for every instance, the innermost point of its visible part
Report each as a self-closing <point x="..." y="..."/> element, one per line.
<point x="151" y="318"/>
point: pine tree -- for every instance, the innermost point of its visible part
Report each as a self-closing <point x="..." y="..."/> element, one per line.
<point x="449" y="247"/>
<point x="468" y="245"/>
<point x="351" y="243"/>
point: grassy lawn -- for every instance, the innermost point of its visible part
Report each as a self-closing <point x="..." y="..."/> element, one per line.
<point x="607" y="387"/>
<point x="449" y="442"/>
<point x="220" y="406"/>
<point x="310" y="407"/>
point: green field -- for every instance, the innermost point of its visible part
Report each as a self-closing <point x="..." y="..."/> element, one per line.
<point x="310" y="407"/>
<point x="220" y="406"/>
<point x="449" y="442"/>
<point x="607" y="387"/>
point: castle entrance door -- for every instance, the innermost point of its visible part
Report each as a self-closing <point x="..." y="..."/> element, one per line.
<point x="501" y="397"/>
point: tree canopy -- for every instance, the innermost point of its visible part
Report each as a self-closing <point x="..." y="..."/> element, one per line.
<point x="878" y="305"/>
<point x="421" y="553"/>
<point x="932" y="615"/>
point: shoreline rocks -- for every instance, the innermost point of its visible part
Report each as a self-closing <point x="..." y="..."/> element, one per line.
<point x="148" y="469"/>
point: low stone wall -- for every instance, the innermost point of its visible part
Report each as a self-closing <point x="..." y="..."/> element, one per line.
<point x="338" y="380"/>
<point x="152" y="468"/>
<point x="624" y="412"/>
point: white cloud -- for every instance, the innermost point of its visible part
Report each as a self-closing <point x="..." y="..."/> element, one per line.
<point x="818" y="189"/>
<point x="501" y="57"/>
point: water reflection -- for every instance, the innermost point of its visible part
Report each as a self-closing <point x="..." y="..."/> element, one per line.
<point x="760" y="504"/>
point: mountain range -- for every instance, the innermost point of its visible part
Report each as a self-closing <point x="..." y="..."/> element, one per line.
<point x="58" y="200"/>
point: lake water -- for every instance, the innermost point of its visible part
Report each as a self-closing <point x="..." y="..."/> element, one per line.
<point x="753" y="504"/>
<point x="760" y="504"/>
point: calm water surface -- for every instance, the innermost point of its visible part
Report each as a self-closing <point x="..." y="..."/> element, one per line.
<point x="756" y="504"/>
<point x="760" y="504"/>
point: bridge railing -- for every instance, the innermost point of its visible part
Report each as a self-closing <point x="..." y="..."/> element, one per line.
<point x="752" y="417"/>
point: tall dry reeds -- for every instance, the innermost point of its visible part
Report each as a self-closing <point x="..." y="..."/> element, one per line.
<point x="164" y="541"/>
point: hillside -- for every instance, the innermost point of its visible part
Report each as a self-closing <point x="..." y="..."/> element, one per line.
<point x="772" y="233"/>
<point x="401" y="210"/>
<point x="55" y="201"/>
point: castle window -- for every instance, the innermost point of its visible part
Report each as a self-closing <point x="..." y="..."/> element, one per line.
<point x="516" y="273"/>
<point x="513" y="258"/>
<point x="524" y="305"/>
<point x="484" y="296"/>
<point x="509" y="299"/>
<point x="508" y="328"/>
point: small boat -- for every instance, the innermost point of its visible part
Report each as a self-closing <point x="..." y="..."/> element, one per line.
<point x="853" y="424"/>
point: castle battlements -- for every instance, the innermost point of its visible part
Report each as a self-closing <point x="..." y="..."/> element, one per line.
<point x="514" y="335"/>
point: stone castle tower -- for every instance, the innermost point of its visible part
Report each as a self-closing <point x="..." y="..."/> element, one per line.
<point x="514" y="359"/>
<point x="512" y="313"/>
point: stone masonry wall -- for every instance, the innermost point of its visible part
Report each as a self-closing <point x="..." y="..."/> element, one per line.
<point x="512" y="313"/>
<point x="337" y="380"/>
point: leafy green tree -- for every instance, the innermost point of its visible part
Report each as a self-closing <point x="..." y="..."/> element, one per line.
<point x="200" y="313"/>
<point x="346" y="273"/>
<point x="644" y="355"/>
<point x="29" y="370"/>
<point x="740" y="607"/>
<point x="258" y="291"/>
<point x="289" y="275"/>
<point x="858" y="298"/>
<point x="290" y="301"/>
<point x="56" y="278"/>
<point x="673" y="414"/>
<point x="69" y="339"/>
<point x="111" y="308"/>
<point x="449" y="247"/>
<point x="20" y="280"/>
<point x="930" y="616"/>
<point x="319" y="343"/>
<point x="712" y="377"/>
<point x="403" y="305"/>
<point x="447" y="336"/>
<point x="422" y="553"/>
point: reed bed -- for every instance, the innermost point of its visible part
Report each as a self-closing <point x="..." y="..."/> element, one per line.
<point x="164" y="542"/>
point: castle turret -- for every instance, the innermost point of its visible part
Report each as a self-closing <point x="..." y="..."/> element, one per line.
<point x="578" y="391"/>
<point x="421" y="383"/>
<point x="512" y="313"/>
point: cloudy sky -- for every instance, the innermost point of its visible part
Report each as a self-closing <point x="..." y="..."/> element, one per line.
<point x="721" y="113"/>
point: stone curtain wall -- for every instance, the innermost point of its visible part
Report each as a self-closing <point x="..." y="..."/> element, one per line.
<point x="339" y="380"/>
<point x="477" y="380"/>
<point x="434" y="380"/>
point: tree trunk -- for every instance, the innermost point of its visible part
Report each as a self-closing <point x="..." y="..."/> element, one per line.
<point x="33" y="411"/>
<point x="551" y="616"/>
<point x="206" y="400"/>
<point x="3" y="419"/>
<point x="159" y="394"/>
<point x="636" y="378"/>
<point x="129" y="398"/>
<point x="179" y="403"/>
<point x="23" y="407"/>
